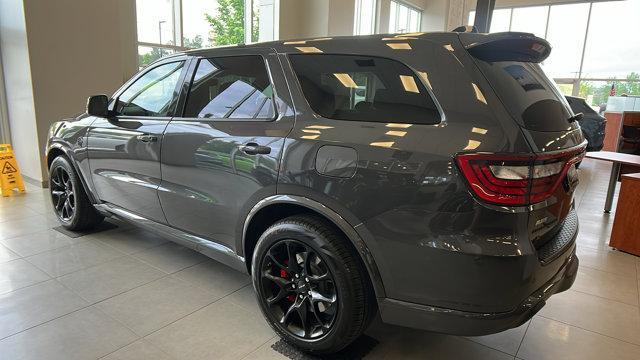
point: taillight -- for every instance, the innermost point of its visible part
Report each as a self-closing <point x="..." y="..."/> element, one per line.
<point x="517" y="179"/>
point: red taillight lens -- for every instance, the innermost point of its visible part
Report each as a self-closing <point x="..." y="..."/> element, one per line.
<point x="517" y="180"/>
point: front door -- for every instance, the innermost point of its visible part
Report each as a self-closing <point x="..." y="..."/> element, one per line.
<point x="222" y="156"/>
<point x="124" y="149"/>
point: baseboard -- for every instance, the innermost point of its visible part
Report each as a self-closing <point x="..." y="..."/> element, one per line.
<point x="32" y="181"/>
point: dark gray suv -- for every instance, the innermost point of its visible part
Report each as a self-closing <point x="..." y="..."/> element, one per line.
<point x="425" y="177"/>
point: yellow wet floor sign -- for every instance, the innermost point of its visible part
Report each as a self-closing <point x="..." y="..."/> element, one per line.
<point x="10" y="177"/>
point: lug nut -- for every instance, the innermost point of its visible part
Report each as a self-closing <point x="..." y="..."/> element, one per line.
<point x="297" y="275"/>
<point x="293" y="286"/>
<point x="309" y="292"/>
<point x="306" y="279"/>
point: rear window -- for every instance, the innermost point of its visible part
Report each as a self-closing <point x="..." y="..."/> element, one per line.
<point x="531" y="98"/>
<point x="364" y="88"/>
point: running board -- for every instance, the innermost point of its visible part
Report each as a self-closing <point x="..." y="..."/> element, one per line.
<point x="206" y="247"/>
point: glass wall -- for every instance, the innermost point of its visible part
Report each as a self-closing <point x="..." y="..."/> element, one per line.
<point x="167" y="26"/>
<point x="595" y="45"/>
<point x="365" y="17"/>
<point x="404" y="18"/>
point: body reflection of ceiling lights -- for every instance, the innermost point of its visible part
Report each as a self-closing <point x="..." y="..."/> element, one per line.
<point x="409" y="83"/>
<point x="472" y="145"/>
<point x="311" y="131"/>
<point x="321" y="39"/>
<point x="399" y="38"/>
<point x="425" y="78"/>
<point x="386" y="144"/>
<point x="399" y="46"/>
<point x="396" y="133"/>
<point x="309" y="49"/>
<point x="310" y="137"/>
<point x="399" y="126"/>
<point x="301" y="42"/>
<point x="479" y="94"/>
<point x="479" y="130"/>
<point x="410" y="34"/>
<point x="321" y="127"/>
<point x="448" y="47"/>
<point x="346" y="80"/>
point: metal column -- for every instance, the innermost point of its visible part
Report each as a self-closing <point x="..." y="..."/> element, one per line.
<point x="484" y="10"/>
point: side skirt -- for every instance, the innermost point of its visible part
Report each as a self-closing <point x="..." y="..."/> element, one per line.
<point x="209" y="248"/>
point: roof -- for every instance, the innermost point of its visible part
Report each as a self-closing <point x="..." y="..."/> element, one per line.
<point x="316" y="44"/>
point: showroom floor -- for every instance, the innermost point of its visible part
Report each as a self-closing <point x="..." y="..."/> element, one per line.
<point x="127" y="294"/>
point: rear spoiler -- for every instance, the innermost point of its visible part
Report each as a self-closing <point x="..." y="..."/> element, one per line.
<point x="506" y="46"/>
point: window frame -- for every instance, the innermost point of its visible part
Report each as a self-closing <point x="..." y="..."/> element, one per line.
<point x="410" y="7"/>
<point x="188" y="82"/>
<point x="178" y="31"/>
<point x="358" y="18"/>
<point x="442" y="117"/>
<point x="580" y="77"/>
<point x="113" y="102"/>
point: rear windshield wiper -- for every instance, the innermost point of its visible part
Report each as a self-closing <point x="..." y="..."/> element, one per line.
<point x="576" y="117"/>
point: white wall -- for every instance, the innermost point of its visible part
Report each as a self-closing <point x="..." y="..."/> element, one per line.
<point x="315" y="18"/>
<point x="55" y="54"/>
<point x="18" y="87"/>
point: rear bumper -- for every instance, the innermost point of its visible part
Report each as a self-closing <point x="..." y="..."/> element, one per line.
<point x="464" y="323"/>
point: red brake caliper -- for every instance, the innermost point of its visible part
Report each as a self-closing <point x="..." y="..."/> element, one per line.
<point x="284" y="275"/>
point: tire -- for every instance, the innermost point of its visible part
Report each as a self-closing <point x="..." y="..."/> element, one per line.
<point x="321" y="249"/>
<point x="70" y="202"/>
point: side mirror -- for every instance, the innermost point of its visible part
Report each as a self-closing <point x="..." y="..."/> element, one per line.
<point x="97" y="105"/>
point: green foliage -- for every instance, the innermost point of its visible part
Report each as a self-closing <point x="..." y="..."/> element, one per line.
<point x="155" y="54"/>
<point x="195" y="43"/>
<point x="227" y="26"/>
<point x="601" y="91"/>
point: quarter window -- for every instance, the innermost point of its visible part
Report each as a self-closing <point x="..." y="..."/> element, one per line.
<point x="364" y="88"/>
<point x="153" y="94"/>
<point x="235" y="87"/>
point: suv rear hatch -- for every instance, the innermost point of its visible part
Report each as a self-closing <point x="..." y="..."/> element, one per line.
<point x="546" y="179"/>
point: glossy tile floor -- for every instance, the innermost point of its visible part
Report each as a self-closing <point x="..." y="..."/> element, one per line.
<point x="128" y="294"/>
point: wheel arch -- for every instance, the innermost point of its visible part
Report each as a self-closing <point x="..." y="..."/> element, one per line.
<point x="55" y="150"/>
<point x="278" y="207"/>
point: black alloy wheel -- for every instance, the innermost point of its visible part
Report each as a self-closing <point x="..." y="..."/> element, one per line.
<point x="311" y="284"/>
<point x="62" y="195"/>
<point x="299" y="289"/>
<point x="68" y="197"/>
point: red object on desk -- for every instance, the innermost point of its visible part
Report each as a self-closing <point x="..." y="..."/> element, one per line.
<point x="625" y="235"/>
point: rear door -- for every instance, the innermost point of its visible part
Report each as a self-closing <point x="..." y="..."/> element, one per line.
<point x="223" y="154"/>
<point x="124" y="149"/>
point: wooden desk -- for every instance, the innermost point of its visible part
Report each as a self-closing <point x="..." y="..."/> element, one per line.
<point x="624" y="235"/>
<point x="612" y="131"/>
<point x="617" y="159"/>
<point x="613" y="127"/>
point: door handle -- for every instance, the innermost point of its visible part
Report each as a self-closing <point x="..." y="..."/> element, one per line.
<point x="254" y="149"/>
<point x="147" y="138"/>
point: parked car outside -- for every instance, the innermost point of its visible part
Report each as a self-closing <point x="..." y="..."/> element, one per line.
<point x="592" y="123"/>
<point x="427" y="177"/>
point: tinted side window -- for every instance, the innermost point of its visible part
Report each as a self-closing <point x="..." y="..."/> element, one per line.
<point x="235" y="87"/>
<point x="153" y="94"/>
<point x="364" y="88"/>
